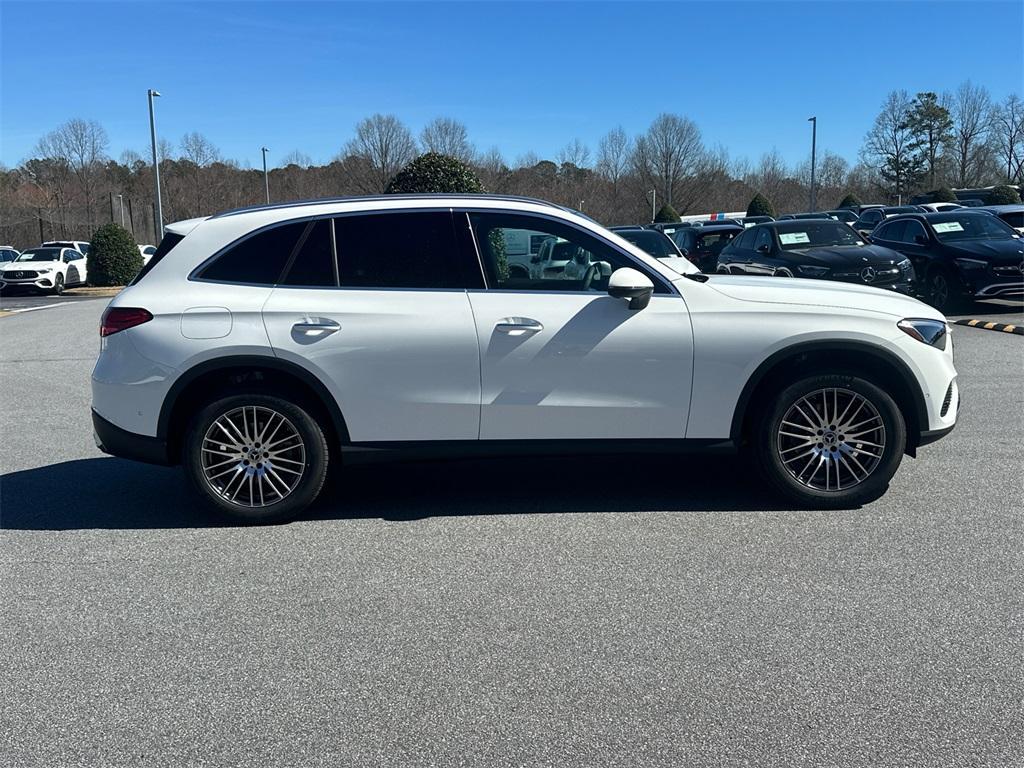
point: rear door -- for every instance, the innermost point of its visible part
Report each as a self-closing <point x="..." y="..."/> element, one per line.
<point x="375" y="304"/>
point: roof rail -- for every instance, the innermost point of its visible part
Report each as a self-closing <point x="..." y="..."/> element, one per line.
<point x="362" y="198"/>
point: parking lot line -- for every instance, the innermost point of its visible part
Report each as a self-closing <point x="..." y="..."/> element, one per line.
<point x="33" y="309"/>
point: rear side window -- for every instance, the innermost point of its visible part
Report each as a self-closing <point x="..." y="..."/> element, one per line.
<point x="403" y="250"/>
<point x="170" y="240"/>
<point x="258" y="260"/>
<point x="313" y="264"/>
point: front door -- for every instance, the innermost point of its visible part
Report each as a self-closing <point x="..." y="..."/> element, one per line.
<point x="560" y="358"/>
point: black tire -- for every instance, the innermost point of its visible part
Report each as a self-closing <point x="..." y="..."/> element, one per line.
<point x="944" y="293"/>
<point x="58" y="285"/>
<point x="768" y="444"/>
<point x="313" y="464"/>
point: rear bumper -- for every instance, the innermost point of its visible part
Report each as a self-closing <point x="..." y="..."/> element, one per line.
<point x="118" y="442"/>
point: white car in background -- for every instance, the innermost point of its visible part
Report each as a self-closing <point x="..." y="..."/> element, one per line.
<point x="940" y="207"/>
<point x="46" y="268"/>
<point x="260" y="345"/>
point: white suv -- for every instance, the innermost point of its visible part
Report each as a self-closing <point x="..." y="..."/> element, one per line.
<point x="259" y="345"/>
<point x="46" y="268"/>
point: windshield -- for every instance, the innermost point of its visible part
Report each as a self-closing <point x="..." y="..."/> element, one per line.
<point x="971" y="227"/>
<point x="816" y="234"/>
<point x="41" y="254"/>
<point x="655" y="243"/>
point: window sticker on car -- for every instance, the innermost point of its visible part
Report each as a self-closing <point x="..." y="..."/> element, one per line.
<point x="792" y="238"/>
<point x="948" y="226"/>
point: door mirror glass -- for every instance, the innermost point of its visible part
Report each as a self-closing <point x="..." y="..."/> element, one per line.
<point x="629" y="283"/>
<point x="921" y="239"/>
<point x="764" y="248"/>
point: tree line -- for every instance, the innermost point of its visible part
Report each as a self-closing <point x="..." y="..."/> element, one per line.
<point x="70" y="184"/>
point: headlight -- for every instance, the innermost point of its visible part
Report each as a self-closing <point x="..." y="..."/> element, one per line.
<point x="970" y="263"/>
<point x="44" y="270"/>
<point x="809" y="271"/>
<point x="906" y="269"/>
<point x="932" y="332"/>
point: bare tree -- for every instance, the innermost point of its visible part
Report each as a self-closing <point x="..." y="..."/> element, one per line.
<point x="295" y="157"/>
<point x="613" y="155"/>
<point x="575" y="153"/>
<point x="970" y="108"/>
<point x="447" y="137"/>
<point x="1008" y="127"/>
<point x="670" y="151"/>
<point x="197" y="152"/>
<point x="385" y="146"/>
<point x="82" y="145"/>
<point x="889" y="146"/>
<point x="492" y="170"/>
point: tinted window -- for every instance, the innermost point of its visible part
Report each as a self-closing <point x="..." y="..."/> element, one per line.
<point x="313" y="264"/>
<point x="816" y="233"/>
<point x="910" y="230"/>
<point x="403" y="250"/>
<point x="1013" y="219"/>
<point x="170" y="240"/>
<point x="653" y="242"/>
<point x="744" y="241"/>
<point x="971" y="226"/>
<point x="573" y="259"/>
<point x="893" y="232"/>
<point x="40" y="254"/>
<point x="764" y="237"/>
<point x="259" y="259"/>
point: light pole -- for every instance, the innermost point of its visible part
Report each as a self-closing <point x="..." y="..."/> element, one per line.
<point x="654" y="203"/>
<point x="814" y="146"/>
<point x="266" y="177"/>
<point x="158" y="225"/>
<point x="120" y="203"/>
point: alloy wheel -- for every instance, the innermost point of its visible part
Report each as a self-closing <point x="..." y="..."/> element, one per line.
<point x="831" y="439"/>
<point x="940" y="290"/>
<point x="253" y="456"/>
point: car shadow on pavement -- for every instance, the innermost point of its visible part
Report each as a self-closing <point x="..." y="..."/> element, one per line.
<point x="110" y="493"/>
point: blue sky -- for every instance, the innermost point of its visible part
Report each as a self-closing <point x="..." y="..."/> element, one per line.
<point x="522" y="76"/>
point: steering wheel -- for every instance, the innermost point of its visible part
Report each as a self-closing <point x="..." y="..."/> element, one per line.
<point x="588" y="277"/>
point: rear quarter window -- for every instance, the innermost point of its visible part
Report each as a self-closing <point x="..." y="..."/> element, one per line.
<point x="258" y="259"/>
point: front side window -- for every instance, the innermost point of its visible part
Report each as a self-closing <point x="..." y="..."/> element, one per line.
<point x="764" y="238"/>
<point x="258" y="260"/>
<point x="574" y="260"/>
<point x="911" y="231"/>
<point x="403" y="250"/>
<point x="892" y="232"/>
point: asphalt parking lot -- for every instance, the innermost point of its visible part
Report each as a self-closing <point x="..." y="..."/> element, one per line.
<point x="599" y="611"/>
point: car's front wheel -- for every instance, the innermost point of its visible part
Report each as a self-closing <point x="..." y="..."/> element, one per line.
<point x="255" y="457"/>
<point x="830" y="441"/>
<point x="943" y="293"/>
<point x="58" y="285"/>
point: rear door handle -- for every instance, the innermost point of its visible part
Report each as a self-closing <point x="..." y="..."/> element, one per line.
<point x="316" y="326"/>
<point x="517" y="326"/>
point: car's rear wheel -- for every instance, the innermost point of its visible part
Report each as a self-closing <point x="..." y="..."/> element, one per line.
<point x="58" y="285"/>
<point x="830" y="441"/>
<point x="255" y="457"/>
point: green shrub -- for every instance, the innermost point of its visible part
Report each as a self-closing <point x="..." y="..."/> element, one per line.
<point x="666" y="214"/>
<point x="942" y="195"/>
<point x="434" y="172"/>
<point x="760" y="206"/>
<point x="1003" y="195"/>
<point x="114" y="257"/>
<point x="850" y="201"/>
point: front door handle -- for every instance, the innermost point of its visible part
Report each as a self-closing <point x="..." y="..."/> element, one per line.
<point x="518" y="326"/>
<point x="315" y="326"/>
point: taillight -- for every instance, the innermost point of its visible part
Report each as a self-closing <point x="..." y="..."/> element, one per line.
<point x="122" y="318"/>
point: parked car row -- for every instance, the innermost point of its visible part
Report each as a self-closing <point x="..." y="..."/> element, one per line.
<point x="949" y="257"/>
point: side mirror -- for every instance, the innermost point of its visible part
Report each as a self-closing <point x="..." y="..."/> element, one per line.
<point x="765" y="248"/>
<point x="535" y="259"/>
<point x="921" y="239"/>
<point x="865" y="237"/>
<point x="629" y="283"/>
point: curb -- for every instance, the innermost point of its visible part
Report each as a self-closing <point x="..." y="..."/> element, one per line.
<point x="1004" y="327"/>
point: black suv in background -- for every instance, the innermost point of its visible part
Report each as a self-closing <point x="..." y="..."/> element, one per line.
<point x="703" y="244"/>
<point x="872" y="217"/>
<point x="816" y="248"/>
<point x="960" y="255"/>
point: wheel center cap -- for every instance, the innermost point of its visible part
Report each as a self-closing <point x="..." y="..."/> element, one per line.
<point x="829" y="438"/>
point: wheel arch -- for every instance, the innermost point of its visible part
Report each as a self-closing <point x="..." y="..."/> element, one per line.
<point x="884" y="369"/>
<point x="209" y="379"/>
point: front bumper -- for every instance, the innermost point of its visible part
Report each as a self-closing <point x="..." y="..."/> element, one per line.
<point x="38" y="284"/>
<point x="118" y="442"/>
